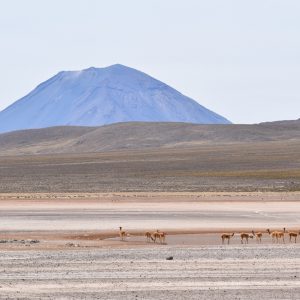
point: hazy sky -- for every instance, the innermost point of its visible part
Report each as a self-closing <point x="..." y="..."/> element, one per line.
<point x="240" y="58"/>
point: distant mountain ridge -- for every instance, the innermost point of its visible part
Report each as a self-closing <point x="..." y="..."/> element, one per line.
<point x="137" y="136"/>
<point x="100" y="96"/>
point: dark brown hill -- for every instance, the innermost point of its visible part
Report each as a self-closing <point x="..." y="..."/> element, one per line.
<point x="138" y="136"/>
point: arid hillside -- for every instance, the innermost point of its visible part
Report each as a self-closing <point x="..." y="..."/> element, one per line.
<point x="152" y="157"/>
<point x="142" y="136"/>
<point x="263" y="166"/>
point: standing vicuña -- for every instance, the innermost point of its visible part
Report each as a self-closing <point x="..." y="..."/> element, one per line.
<point x="159" y="235"/>
<point x="122" y="234"/>
<point x="258" y="236"/>
<point x="277" y="235"/>
<point x="149" y="237"/>
<point x="281" y="235"/>
<point x="293" y="234"/>
<point x="226" y="236"/>
<point x="245" y="236"/>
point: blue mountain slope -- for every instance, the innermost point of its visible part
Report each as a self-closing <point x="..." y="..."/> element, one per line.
<point x="98" y="96"/>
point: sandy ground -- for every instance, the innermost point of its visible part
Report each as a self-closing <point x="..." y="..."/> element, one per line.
<point x="206" y="272"/>
<point x="107" y="212"/>
<point x="96" y="216"/>
<point x="66" y="246"/>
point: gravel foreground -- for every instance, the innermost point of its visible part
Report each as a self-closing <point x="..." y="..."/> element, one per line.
<point x="208" y="272"/>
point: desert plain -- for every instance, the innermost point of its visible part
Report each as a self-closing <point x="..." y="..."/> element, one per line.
<point x="64" y="193"/>
<point x="66" y="246"/>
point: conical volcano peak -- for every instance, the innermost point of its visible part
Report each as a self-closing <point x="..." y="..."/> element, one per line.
<point x="104" y="69"/>
<point x="118" y="67"/>
<point x="108" y="69"/>
<point x="114" y="73"/>
<point x="96" y="71"/>
<point x="115" y="76"/>
<point x="99" y="96"/>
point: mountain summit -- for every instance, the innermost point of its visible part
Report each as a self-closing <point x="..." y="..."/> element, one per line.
<point x="99" y="96"/>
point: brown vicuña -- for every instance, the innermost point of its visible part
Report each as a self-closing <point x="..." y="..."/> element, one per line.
<point x="245" y="236"/>
<point x="258" y="236"/>
<point x="277" y="235"/>
<point x="226" y="236"/>
<point x="159" y="235"/>
<point x="122" y="234"/>
<point x="149" y="237"/>
<point x="293" y="234"/>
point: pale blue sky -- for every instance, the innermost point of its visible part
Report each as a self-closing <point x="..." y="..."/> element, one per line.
<point x="240" y="58"/>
